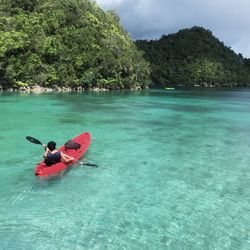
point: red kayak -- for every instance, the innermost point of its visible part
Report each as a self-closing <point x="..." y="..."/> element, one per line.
<point x="83" y="140"/>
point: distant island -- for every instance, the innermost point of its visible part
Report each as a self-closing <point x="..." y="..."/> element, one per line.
<point x="194" y="57"/>
<point x="75" y="45"/>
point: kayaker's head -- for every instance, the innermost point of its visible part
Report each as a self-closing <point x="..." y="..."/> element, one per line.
<point x="51" y="145"/>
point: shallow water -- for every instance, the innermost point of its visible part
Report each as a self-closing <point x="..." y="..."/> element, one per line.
<point x="173" y="171"/>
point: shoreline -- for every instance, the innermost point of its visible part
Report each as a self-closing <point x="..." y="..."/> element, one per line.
<point x="39" y="89"/>
<point x="36" y="89"/>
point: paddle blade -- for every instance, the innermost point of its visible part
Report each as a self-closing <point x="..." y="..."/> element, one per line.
<point x="91" y="165"/>
<point x="33" y="140"/>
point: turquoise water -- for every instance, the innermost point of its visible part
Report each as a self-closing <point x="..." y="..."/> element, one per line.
<point x="173" y="171"/>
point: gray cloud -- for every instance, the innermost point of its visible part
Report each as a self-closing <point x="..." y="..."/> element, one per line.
<point x="149" y="19"/>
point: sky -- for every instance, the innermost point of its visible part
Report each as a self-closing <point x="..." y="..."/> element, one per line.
<point x="229" y="20"/>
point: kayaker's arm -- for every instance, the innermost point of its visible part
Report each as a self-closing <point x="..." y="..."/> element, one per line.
<point x="66" y="158"/>
<point x="46" y="152"/>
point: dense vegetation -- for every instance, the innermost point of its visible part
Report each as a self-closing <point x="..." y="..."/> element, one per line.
<point x="66" y="43"/>
<point x="74" y="43"/>
<point x="194" y="57"/>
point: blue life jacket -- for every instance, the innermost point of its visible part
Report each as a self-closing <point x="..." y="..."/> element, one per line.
<point x="53" y="158"/>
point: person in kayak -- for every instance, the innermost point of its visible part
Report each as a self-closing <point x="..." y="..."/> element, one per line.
<point x="53" y="156"/>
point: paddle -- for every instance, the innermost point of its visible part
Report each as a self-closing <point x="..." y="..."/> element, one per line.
<point x="35" y="141"/>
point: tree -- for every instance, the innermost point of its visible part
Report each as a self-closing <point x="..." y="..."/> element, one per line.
<point x="194" y="57"/>
<point x="67" y="43"/>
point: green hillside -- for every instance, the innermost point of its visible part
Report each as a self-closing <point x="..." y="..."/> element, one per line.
<point x="66" y="43"/>
<point x="194" y="57"/>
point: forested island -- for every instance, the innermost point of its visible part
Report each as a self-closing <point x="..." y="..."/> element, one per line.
<point x="74" y="44"/>
<point x="67" y="43"/>
<point x="194" y="57"/>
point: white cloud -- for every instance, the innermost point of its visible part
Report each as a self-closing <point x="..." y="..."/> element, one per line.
<point x="149" y="19"/>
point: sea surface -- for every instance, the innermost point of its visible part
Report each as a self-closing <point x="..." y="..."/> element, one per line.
<point x="173" y="171"/>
